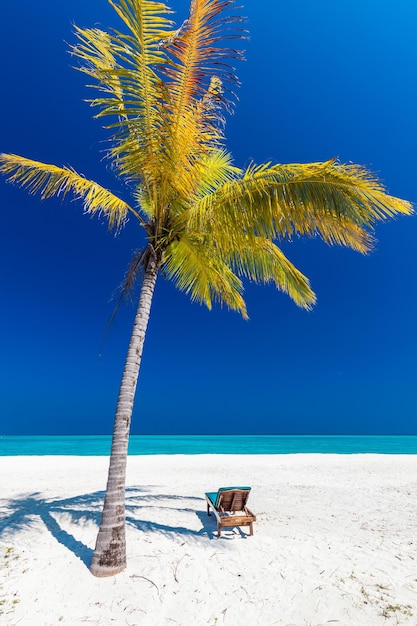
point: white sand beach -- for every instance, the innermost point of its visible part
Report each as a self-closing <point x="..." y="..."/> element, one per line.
<point x="334" y="542"/>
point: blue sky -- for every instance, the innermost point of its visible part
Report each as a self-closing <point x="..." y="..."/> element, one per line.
<point x="321" y="79"/>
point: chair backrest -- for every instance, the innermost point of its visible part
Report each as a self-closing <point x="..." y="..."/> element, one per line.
<point x="232" y="498"/>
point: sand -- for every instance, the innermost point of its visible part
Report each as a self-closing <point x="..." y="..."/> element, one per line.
<point x="334" y="542"/>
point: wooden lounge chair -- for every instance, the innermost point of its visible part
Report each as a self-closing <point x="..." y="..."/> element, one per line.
<point x="229" y="506"/>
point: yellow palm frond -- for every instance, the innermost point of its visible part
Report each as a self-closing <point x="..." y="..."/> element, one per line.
<point x="337" y="202"/>
<point x="262" y="261"/>
<point x="50" y="180"/>
<point x="125" y="67"/>
<point x="200" y="268"/>
<point x="209" y="171"/>
<point x="214" y="170"/>
<point x="95" y="48"/>
<point x="198" y="135"/>
<point x="196" y="85"/>
<point x="198" y="47"/>
<point x="337" y="230"/>
<point x="197" y="270"/>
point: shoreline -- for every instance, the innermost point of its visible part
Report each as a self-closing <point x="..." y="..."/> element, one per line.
<point x="145" y="445"/>
<point x="333" y="540"/>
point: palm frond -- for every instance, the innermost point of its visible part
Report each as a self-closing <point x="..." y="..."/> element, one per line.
<point x="125" y="67"/>
<point x="95" y="48"/>
<point x="198" y="271"/>
<point x="340" y="203"/>
<point x="196" y="85"/>
<point x="195" y="137"/>
<point x="262" y="261"/>
<point x="214" y="170"/>
<point x="211" y="169"/>
<point x="200" y="52"/>
<point x="50" y="180"/>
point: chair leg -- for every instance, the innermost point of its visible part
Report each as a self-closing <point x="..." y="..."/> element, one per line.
<point x="219" y="530"/>
<point x="251" y="528"/>
<point x="208" y="509"/>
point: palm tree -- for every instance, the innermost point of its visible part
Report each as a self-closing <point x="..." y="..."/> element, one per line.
<point x="209" y="225"/>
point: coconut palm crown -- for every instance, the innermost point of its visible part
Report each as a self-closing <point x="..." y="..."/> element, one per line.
<point x="209" y="225"/>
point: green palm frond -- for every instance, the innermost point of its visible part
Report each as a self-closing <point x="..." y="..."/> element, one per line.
<point x="197" y="270"/>
<point x="337" y="202"/>
<point x="50" y="180"/>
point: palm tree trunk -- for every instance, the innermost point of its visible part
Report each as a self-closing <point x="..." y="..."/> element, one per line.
<point x="109" y="556"/>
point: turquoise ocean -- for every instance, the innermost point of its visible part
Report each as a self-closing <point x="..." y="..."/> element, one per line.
<point x="99" y="445"/>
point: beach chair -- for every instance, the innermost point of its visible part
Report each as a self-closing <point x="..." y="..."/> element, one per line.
<point x="229" y="507"/>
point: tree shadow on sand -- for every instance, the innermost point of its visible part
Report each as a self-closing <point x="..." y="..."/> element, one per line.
<point x="25" y="510"/>
<point x="20" y="513"/>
